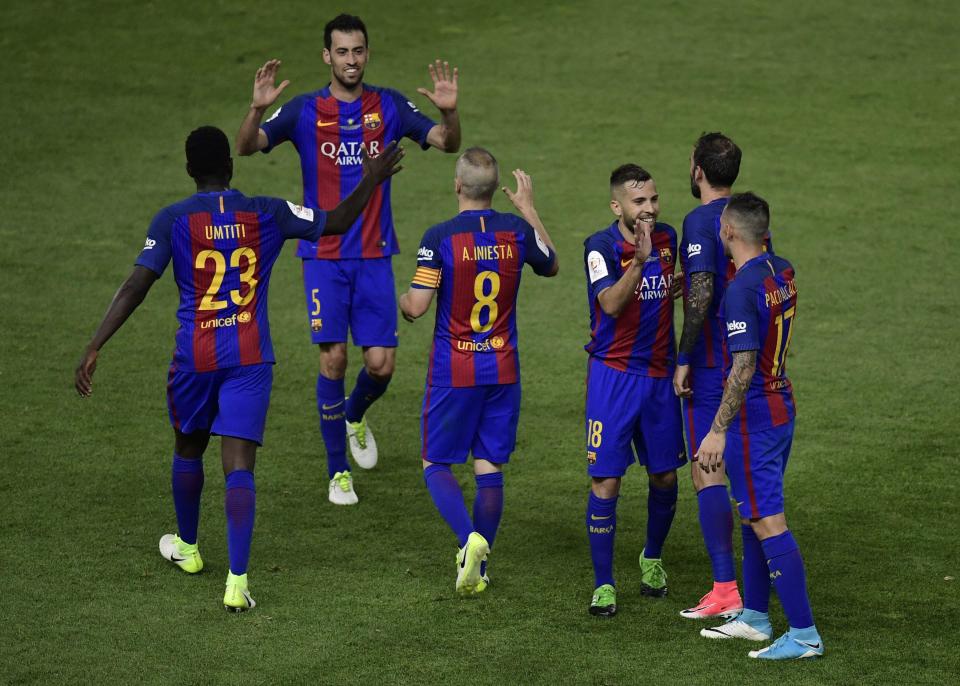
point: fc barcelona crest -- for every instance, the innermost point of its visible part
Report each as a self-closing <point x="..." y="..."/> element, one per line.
<point x="372" y="120"/>
<point x="666" y="255"/>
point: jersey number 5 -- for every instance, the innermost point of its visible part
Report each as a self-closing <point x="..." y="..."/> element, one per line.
<point x="488" y="301"/>
<point x="209" y="301"/>
<point x="780" y="352"/>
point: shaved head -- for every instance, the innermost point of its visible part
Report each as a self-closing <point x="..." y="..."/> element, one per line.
<point x="749" y="214"/>
<point x="478" y="174"/>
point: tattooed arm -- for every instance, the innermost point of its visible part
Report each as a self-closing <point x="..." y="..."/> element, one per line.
<point x="695" y="311"/>
<point x="710" y="454"/>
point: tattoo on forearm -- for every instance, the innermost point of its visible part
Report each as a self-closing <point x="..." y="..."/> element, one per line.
<point x="698" y="302"/>
<point x="744" y="366"/>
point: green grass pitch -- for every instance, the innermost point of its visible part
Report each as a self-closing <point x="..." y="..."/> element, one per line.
<point x="847" y="115"/>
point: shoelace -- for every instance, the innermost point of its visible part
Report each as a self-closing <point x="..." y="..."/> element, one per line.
<point x="344" y="483"/>
<point x="362" y="435"/>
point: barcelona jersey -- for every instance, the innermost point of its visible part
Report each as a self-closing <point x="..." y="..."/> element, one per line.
<point x="474" y="261"/>
<point x="331" y="137"/>
<point x="759" y="311"/>
<point x="702" y="251"/>
<point x="223" y="246"/>
<point x="641" y="340"/>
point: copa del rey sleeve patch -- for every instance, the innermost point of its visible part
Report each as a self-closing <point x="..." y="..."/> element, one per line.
<point x="300" y="211"/>
<point x="596" y="266"/>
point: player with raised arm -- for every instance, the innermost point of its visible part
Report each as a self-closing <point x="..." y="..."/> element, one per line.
<point x="753" y="430"/>
<point x="698" y="379"/>
<point x="471" y="404"/>
<point x="630" y="271"/>
<point x="223" y="246"/>
<point x="348" y="280"/>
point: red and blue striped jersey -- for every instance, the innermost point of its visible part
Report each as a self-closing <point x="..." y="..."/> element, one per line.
<point x="223" y="246"/>
<point x="702" y="251"/>
<point x="475" y="261"/>
<point x="330" y="137"/>
<point x="759" y="312"/>
<point x="641" y="340"/>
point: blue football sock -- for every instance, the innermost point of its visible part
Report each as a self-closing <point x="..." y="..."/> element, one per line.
<point x="186" y="478"/>
<point x="716" y="524"/>
<point x="333" y="425"/>
<point x="363" y="395"/>
<point x="240" y="505"/>
<point x="601" y="530"/>
<point x="661" y="506"/>
<point x="487" y="508"/>
<point x="756" y="574"/>
<point x="448" y="498"/>
<point x="789" y="578"/>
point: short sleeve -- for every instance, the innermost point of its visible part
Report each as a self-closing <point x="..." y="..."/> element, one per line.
<point x="281" y="124"/>
<point x="700" y="243"/>
<point x="297" y="221"/>
<point x="741" y="318"/>
<point x="157" y="249"/>
<point x="413" y="123"/>
<point x="600" y="262"/>
<point x="429" y="262"/>
<point x="537" y="253"/>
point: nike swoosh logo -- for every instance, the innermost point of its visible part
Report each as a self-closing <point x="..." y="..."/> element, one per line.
<point x="330" y="407"/>
<point x="593" y="516"/>
<point x="626" y="263"/>
<point x="174" y="558"/>
<point x="814" y="646"/>
<point x="321" y="124"/>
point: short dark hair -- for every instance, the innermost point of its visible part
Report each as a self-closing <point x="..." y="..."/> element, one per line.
<point x="750" y="214"/>
<point x="208" y="152"/>
<point x="628" y="172"/>
<point x="719" y="158"/>
<point x="346" y="23"/>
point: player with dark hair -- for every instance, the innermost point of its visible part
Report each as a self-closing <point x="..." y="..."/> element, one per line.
<point x="698" y="379"/>
<point x="752" y="432"/>
<point x="223" y="246"/>
<point x="348" y="280"/>
<point x="630" y="271"/>
<point x="473" y="264"/>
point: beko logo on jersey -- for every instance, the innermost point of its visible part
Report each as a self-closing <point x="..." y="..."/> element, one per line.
<point x="424" y="254"/>
<point x="412" y="106"/>
<point x="735" y="327"/>
<point x="349" y="152"/>
<point x="694" y="249"/>
<point x="149" y="244"/>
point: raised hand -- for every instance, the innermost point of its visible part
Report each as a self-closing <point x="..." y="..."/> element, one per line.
<point x="384" y="165"/>
<point x="265" y="93"/>
<point x="642" y="242"/>
<point x="522" y="199"/>
<point x="444" y="94"/>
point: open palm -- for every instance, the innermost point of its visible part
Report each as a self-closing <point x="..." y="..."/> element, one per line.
<point x="444" y="94"/>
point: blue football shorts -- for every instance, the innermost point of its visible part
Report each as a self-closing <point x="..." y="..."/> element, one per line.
<point x="481" y="420"/>
<point x="755" y="466"/>
<point x="627" y="411"/>
<point x="700" y="410"/>
<point x="354" y="293"/>
<point x="227" y="402"/>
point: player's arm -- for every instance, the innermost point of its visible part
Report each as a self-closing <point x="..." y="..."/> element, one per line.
<point x="376" y="170"/>
<point x="124" y="302"/>
<point x="744" y="365"/>
<point x="251" y="138"/>
<point x="522" y="199"/>
<point x="445" y="135"/>
<point x="415" y="302"/>
<point x="614" y="298"/>
<point x="697" y="304"/>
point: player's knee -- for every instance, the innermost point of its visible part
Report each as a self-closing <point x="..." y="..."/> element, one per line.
<point x="333" y="360"/>
<point x="664" y="480"/>
<point x="605" y="487"/>
<point x="380" y="363"/>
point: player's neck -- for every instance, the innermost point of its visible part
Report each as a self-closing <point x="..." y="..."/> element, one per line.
<point x="466" y="204"/>
<point x="744" y="252"/>
<point x="708" y="194"/>
<point x="345" y="93"/>
<point x="212" y="186"/>
<point x="626" y="231"/>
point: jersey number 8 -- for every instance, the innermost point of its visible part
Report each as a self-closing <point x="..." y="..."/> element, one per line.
<point x="488" y="301"/>
<point x="209" y="301"/>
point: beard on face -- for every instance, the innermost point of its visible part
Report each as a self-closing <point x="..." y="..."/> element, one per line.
<point x="694" y="188"/>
